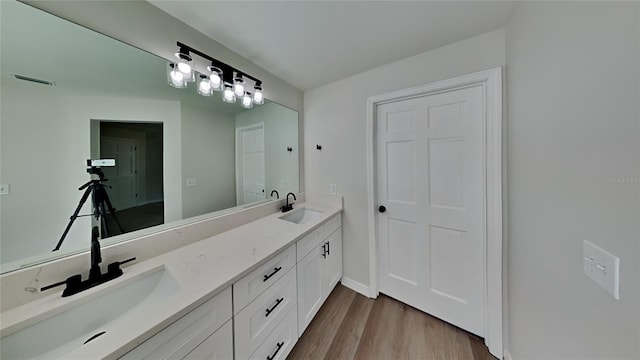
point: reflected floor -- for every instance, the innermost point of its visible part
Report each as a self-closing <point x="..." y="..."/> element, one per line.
<point x="136" y="218"/>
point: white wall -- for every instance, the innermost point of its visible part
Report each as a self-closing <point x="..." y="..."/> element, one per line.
<point x="573" y="99"/>
<point x="335" y="118"/>
<point x="53" y="140"/>
<point x="208" y="155"/>
<point x="281" y="131"/>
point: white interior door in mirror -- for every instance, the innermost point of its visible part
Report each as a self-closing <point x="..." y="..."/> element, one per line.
<point x="431" y="180"/>
<point x="121" y="184"/>
<point x="250" y="172"/>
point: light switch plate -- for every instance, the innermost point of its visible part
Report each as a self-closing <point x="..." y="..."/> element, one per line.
<point x="333" y="190"/>
<point x="192" y="182"/>
<point x="4" y="189"/>
<point x="602" y="267"/>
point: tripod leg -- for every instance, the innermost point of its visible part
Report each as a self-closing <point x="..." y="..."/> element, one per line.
<point x="105" y="198"/>
<point x="102" y="212"/>
<point x="73" y="217"/>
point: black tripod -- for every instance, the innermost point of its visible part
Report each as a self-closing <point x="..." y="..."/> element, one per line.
<point x="100" y="201"/>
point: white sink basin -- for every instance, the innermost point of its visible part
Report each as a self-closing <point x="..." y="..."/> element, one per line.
<point x="301" y="216"/>
<point x="61" y="333"/>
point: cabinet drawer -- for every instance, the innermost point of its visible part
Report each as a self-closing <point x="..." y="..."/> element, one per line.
<point x="330" y="226"/>
<point x="257" y="320"/>
<point x="307" y="243"/>
<point x="252" y="285"/>
<point x="312" y="239"/>
<point x="179" y="338"/>
<point x="280" y="342"/>
<point x="216" y="347"/>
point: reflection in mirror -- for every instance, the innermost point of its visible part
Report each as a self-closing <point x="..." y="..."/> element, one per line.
<point x="69" y="94"/>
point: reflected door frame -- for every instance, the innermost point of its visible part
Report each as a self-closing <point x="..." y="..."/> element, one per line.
<point x="240" y="164"/>
<point x="491" y="81"/>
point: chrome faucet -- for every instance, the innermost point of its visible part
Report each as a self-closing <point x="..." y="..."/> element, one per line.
<point x="287" y="206"/>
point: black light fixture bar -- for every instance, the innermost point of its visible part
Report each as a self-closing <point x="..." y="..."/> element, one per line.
<point x="227" y="70"/>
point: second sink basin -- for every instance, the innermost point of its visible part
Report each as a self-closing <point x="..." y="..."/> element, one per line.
<point x="71" y="329"/>
<point x="301" y="216"/>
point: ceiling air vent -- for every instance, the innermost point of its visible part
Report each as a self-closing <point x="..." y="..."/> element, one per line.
<point x="37" y="81"/>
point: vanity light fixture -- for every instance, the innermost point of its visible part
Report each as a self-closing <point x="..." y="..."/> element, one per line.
<point x="258" y="98"/>
<point x="238" y="85"/>
<point x="215" y="77"/>
<point x="247" y="102"/>
<point x="204" y="86"/>
<point x="175" y="78"/>
<point x="219" y="77"/>
<point x="228" y="95"/>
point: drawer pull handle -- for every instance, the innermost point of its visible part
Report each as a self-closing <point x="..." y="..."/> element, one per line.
<point x="328" y="249"/>
<point x="324" y="250"/>
<point x="275" y="270"/>
<point x="269" y="311"/>
<point x="273" y="356"/>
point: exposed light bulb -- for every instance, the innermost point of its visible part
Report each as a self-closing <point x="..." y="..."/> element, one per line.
<point x="215" y="78"/>
<point x="174" y="77"/>
<point x="228" y="95"/>
<point x="184" y="68"/>
<point x="204" y="86"/>
<point x="185" y="65"/>
<point x="247" y="102"/>
<point x="258" y="98"/>
<point x="238" y="86"/>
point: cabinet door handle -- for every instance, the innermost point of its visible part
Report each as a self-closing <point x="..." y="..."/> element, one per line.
<point x="273" y="356"/>
<point x="269" y="311"/>
<point x="324" y="250"/>
<point x="328" y="249"/>
<point x="275" y="270"/>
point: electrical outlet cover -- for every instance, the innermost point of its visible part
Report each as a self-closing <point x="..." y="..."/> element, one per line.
<point x="602" y="267"/>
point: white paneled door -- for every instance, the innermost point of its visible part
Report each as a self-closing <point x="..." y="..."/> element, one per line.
<point x="250" y="170"/>
<point x="122" y="178"/>
<point x="431" y="191"/>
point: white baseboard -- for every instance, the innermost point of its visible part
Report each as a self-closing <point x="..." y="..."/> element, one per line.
<point x="507" y="355"/>
<point x="356" y="286"/>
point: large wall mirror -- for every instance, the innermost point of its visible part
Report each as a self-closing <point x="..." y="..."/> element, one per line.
<point x="69" y="94"/>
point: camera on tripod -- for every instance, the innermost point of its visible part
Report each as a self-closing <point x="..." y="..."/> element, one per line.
<point x="100" y="202"/>
<point x="93" y="166"/>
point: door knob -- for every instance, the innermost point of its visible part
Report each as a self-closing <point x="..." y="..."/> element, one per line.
<point x="382" y="208"/>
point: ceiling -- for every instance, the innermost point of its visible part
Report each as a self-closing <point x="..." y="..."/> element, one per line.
<point x="312" y="43"/>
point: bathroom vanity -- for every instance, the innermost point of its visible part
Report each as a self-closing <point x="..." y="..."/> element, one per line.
<point x="245" y="293"/>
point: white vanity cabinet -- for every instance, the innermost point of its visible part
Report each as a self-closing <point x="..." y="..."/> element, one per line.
<point x="263" y="302"/>
<point x="319" y="268"/>
<point x="204" y="333"/>
<point x="262" y="315"/>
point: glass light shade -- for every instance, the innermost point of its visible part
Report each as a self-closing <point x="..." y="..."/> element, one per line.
<point x="215" y="77"/>
<point x="185" y="65"/>
<point x="247" y="102"/>
<point x="258" y="98"/>
<point x="238" y="86"/>
<point x="204" y="86"/>
<point x="228" y="95"/>
<point x="175" y="77"/>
